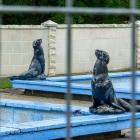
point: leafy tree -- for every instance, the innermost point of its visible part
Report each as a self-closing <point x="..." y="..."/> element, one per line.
<point x="60" y="18"/>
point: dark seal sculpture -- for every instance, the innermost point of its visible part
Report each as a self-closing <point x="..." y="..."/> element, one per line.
<point x="103" y="95"/>
<point x="37" y="66"/>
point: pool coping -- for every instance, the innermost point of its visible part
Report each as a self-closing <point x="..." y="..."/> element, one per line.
<point x="55" y="128"/>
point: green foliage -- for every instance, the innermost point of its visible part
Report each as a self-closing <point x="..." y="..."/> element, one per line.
<point x="60" y="18"/>
<point x="5" y="83"/>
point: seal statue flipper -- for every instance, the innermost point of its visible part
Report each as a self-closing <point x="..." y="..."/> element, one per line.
<point x="117" y="106"/>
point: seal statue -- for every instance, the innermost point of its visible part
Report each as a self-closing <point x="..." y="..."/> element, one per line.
<point x="103" y="95"/>
<point x="37" y="66"/>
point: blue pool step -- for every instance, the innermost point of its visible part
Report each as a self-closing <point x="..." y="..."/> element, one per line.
<point x="56" y="128"/>
<point x="81" y="84"/>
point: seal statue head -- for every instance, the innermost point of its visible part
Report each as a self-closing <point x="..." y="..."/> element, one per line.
<point x="102" y="55"/>
<point x="37" y="43"/>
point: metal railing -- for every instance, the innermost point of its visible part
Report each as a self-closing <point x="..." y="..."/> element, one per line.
<point x="133" y="68"/>
<point x="68" y="10"/>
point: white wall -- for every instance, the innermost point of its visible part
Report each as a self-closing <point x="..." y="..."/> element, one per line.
<point x="16" y="47"/>
<point x="115" y="39"/>
<point x="17" y="51"/>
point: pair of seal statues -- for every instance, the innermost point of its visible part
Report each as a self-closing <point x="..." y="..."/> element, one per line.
<point x="103" y="94"/>
<point x="37" y="66"/>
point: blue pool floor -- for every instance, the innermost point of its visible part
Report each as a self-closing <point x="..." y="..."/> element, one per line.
<point x="12" y="115"/>
<point x="121" y="83"/>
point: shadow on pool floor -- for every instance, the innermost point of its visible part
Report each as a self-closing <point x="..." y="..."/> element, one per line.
<point x="125" y="135"/>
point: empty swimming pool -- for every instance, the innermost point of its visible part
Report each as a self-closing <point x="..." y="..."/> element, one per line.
<point x="28" y="120"/>
<point x="81" y="84"/>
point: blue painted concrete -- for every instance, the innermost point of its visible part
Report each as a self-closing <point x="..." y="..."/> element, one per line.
<point x="12" y="115"/>
<point x="56" y="128"/>
<point x="85" y="77"/>
<point x="58" y="85"/>
<point x="40" y="106"/>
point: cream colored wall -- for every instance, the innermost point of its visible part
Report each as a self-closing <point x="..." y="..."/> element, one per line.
<point x="17" y="51"/>
<point x="16" y="47"/>
<point x="115" y="39"/>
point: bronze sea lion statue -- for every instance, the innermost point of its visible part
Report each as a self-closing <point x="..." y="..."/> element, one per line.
<point x="37" y="66"/>
<point x="103" y="95"/>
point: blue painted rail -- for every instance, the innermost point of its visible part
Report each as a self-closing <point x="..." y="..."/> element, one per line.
<point x="56" y="128"/>
<point x="81" y="84"/>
